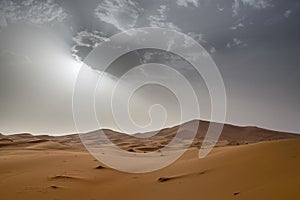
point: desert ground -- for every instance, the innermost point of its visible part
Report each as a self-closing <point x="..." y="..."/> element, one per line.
<point x="248" y="163"/>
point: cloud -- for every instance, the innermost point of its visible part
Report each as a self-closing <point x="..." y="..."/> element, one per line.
<point x="186" y="3"/>
<point x="256" y="4"/>
<point x="121" y="14"/>
<point x="200" y="39"/>
<point x="148" y="56"/>
<point x="212" y="50"/>
<point x="220" y="8"/>
<point x="197" y="36"/>
<point x="170" y="59"/>
<point x="160" y="19"/>
<point x="163" y="57"/>
<point x="32" y="11"/>
<point x="85" y="42"/>
<point x="287" y="13"/>
<point x="236" y="43"/>
<point x="237" y="26"/>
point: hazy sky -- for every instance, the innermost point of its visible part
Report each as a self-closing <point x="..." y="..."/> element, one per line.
<point x="255" y="44"/>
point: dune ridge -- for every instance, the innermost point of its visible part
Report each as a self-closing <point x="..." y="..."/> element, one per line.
<point x="231" y="135"/>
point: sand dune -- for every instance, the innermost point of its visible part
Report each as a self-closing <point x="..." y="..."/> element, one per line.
<point x="45" y="167"/>
<point x="231" y="135"/>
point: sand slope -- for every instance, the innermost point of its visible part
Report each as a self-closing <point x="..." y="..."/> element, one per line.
<point x="230" y="136"/>
<point x="265" y="170"/>
<point x="248" y="163"/>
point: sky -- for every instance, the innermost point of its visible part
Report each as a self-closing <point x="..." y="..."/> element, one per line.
<point x="254" y="43"/>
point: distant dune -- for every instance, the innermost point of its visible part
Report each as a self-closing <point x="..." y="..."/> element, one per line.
<point x="248" y="163"/>
<point x="230" y="136"/>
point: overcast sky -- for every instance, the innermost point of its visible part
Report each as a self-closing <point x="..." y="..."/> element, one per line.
<point x="255" y="44"/>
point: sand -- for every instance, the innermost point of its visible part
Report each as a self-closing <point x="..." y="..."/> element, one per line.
<point x="44" y="167"/>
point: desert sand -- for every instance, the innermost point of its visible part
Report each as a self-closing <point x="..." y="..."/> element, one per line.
<point x="248" y="163"/>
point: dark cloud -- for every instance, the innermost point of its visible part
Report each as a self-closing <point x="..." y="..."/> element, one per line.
<point x="32" y="11"/>
<point x="255" y="43"/>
